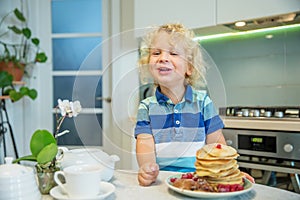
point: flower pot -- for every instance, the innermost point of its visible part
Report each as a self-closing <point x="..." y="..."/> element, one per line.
<point x="46" y="179"/>
<point x="15" y="69"/>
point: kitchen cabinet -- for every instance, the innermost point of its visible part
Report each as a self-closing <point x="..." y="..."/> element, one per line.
<point x="205" y="13"/>
<point x="232" y="10"/>
<point x="192" y="13"/>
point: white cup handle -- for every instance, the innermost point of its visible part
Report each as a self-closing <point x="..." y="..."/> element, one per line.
<point x="59" y="183"/>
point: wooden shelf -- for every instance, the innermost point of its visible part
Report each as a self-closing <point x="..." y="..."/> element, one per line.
<point x="4" y="97"/>
<point x="18" y="82"/>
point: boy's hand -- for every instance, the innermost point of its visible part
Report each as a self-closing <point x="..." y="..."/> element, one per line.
<point x="148" y="174"/>
<point x="250" y="178"/>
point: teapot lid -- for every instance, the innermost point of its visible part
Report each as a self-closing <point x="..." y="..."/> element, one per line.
<point x="12" y="170"/>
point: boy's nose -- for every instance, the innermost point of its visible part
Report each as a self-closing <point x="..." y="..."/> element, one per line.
<point x="164" y="57"/>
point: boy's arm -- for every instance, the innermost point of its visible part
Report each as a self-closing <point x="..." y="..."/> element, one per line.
<point x="215" y="137"/>
<point x="145" y="152"/>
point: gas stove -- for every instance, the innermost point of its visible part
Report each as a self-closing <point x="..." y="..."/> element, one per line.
<point x="277" y="112"/>
<point x="279" y="118"/>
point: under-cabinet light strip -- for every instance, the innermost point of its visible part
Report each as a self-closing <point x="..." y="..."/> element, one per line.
<point x="222" y="35"/>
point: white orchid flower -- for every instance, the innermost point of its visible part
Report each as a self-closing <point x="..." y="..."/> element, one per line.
<point x="67" y="109"/>
<point x="75" y="107"/>
<point x="64" y="107"/>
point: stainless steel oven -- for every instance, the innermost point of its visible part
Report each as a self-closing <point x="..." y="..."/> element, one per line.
<point x="266" y="138"/>
<point x="272" y="144"/>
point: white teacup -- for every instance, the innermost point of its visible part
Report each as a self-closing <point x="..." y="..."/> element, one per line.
<point x="82" y="181"/>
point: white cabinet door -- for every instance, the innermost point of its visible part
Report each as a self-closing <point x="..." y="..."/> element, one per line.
<point x="232" y="10"/>
<point x="192" y="13"/>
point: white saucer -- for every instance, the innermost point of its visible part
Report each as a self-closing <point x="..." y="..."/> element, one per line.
<point x="105" y="188"/>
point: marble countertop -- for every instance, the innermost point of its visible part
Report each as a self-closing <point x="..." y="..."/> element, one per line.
<point x="127" y="187"/>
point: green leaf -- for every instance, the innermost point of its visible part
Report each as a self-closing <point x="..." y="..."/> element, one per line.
<point x="35" y="41"/>
<point x="19" y="15"/>
<point x="39" y="140"/>
<point x="43" y="147"/>
<point x="7" y="91"/>
<point x="15" y="96"/>
<point x="29" y="158"/>
<point x="47" y="154"/>
<point x="41" y="57"/>
<point x="15" y="29"/>
<point x="24" y="90"/>
<point x="26" y="32"/>
<point x="5" y="79"/>
<point x="32" y="94"/>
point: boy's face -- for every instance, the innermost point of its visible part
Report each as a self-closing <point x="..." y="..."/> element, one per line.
<point x="168" y="62"/>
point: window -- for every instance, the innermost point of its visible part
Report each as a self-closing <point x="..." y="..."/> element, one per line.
<point x="77" y="67"/>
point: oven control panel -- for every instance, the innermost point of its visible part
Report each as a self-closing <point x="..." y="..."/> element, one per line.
<point x="285" y="145"/>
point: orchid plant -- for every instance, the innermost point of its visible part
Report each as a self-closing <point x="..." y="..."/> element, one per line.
<point x="43" y="144"/>
<point x="44" y="149"/>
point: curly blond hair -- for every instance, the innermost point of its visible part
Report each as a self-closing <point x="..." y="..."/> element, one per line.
<point x="192" y="49"/>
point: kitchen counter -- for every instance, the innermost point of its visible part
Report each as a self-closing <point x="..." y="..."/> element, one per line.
<point x="127" y="188"/>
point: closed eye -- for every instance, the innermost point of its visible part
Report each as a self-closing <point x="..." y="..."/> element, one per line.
<point x="173" y="53"/>
<point x="155" y="53"/>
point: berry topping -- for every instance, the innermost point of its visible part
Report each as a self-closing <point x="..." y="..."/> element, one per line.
<point x="219" y="146"/>
<point x="172" y="180"/>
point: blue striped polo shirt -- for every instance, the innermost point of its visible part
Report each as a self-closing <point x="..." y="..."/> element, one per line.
<point x="179" y="130"/>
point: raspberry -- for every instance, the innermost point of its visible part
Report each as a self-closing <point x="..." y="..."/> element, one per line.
<point x="219" y="146"/>
<point x="184" y="176"/>
<point x="187" y="176"/>
<point x="230" y="187"/>
<point x="190" y="175"/>
<point x="172" y="180"/>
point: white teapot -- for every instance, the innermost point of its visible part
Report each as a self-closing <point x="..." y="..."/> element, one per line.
<point x="17" y="182"/>
<point x="89" y="156"/>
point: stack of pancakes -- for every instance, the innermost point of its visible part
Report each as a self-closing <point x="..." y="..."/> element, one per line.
<point x="217" y="164"/>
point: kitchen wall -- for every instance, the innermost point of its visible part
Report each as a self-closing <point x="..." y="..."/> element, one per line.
<point x="258" y="71"/>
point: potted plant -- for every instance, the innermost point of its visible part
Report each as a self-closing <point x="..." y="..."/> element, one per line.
<point x="8" y="88"/>
<point x="44" y="149"/>
<point x="19" y="51"/>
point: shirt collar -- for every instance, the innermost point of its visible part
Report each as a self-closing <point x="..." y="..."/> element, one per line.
<point x="161" y="98"/>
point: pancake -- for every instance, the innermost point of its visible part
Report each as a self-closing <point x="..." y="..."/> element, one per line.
<point x="219" y="150"/>
<point x="209" y="163"/>
<point x="216" y="163"/>
<point x="235" y="175"/>
<point x="203" y="155"/>
<point x="216" y="168"/>
<point x="219" y="174"/>
<point x="230" y="182"/>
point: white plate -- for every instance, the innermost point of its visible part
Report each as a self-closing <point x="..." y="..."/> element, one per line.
<point x="105" y="188"/>
<point x="247" y="187"/>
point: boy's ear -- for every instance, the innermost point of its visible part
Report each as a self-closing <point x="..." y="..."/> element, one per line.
<point x="189" y="70"/>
